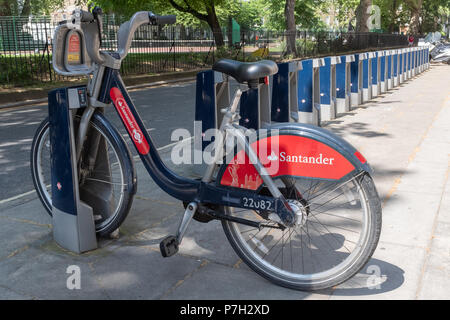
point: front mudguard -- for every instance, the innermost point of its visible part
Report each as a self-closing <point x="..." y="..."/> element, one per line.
<point x="293" y="149"/>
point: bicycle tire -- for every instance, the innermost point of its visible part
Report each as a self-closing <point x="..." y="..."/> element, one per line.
<point x="118" y="145"/>
<point x="373" y="204"/>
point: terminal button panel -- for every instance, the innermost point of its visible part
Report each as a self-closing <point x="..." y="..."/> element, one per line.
<point x="77" y="97"/>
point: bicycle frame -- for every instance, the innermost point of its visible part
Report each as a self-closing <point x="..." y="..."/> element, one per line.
<point x="106" y="86"/>
<point x="112" y="89"/>
<point x="295" y="154"/>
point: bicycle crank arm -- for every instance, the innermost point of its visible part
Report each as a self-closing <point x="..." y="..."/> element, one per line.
<point x="170" y="244"/>
<point x="187" y="217"/>
<point x="259" y="225"/>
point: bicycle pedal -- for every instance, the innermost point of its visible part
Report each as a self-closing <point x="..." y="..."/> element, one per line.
<point x="169" y="246"/>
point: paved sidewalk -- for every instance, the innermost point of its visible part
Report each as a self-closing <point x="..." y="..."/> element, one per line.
<point x="405" y="135"/>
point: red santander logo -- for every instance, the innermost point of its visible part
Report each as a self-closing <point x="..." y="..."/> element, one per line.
<point x="130" y="122"/>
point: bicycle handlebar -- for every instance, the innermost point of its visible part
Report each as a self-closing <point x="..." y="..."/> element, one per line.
<point x="126" y="30"/>
<point x="92" y="31"/>
<point x="161" y="20"/>
<point x="86" y="16"/>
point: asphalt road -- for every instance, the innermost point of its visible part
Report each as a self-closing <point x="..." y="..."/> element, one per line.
<point x="163" y="109"/>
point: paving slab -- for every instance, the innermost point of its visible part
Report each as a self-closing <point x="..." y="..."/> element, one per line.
<point x="408" y="218"/>
<point x="391" y="273"/>
<point x="444" y="213"/>
<point x="202" y="240"/>
<point x="9" y="294"/>
<point x="43" y="275"/>
<point x="138" y="272"/>
<point x="220" y="282"/>
<point x="18" y="236"/>
<point x="435" y="282"/>
<point x="424" y="177"/>
<point x="143" y="216"/>
<point x="30" y="211"/>
<point x="427" y="151"/>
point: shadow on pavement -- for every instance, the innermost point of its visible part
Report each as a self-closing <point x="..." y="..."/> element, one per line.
<point x="356" y="128"/>
<point x="376" y="277"/>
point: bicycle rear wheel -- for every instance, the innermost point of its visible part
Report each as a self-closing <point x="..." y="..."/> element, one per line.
<point x="106" y="183"/>
<point x="338" y="233"/>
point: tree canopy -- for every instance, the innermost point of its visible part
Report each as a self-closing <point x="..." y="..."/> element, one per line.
<point x="420" y="16"/>
<point x="28" y="7"/>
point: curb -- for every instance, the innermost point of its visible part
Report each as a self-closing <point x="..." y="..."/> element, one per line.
<point x="133" y="87"/>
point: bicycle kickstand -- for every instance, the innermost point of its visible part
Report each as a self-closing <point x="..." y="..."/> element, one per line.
<point x="169" y="246"/>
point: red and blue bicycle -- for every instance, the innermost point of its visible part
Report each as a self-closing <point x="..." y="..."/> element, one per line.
<point x="297" y="203"/>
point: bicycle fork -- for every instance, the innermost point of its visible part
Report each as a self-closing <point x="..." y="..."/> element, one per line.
<point x="287" y="216"/>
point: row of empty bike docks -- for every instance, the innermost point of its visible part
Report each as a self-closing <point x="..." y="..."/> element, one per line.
<point x="310" y="91"/>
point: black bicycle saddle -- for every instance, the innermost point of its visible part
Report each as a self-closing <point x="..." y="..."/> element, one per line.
<point x="246" y="71"/>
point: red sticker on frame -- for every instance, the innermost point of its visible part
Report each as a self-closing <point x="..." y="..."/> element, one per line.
<point x="130" y="122"/>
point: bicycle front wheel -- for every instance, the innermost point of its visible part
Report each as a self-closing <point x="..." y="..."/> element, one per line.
<point x="335" y="238"/>
<point x="106" y="182"/>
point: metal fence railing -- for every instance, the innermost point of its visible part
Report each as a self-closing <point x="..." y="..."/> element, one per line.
<point x="26" y="47"/>
<point x="321" y="43"/>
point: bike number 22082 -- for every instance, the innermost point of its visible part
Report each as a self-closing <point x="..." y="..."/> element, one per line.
<point x="257" y="204"/>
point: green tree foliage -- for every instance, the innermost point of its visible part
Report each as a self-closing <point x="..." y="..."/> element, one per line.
<point x="191" y="12"/>
<point x="8" y="8"/>
<point x="392" y="16"/>
<point x="204" y="10"/>
<point x="345" y="12"/>
<point x="28" y="7"/>
<point x="126" y="8"/>
<point x="433" y="15"/>
<point x="421" y="16"/>
<point x="307" y="15"/>
<point x="250" y="14"/>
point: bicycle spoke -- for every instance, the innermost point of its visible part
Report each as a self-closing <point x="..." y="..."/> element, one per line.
<point x="344" y="183"/>
<point x="106" y="170"/>
<point x="282" y="247"/>
<point x="335" y="227"/>
<point x="329" y="234"/>
<point x="330" y="214"/>
<point x="107" y="182"/>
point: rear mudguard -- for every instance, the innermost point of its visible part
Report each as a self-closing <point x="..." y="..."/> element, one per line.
<point x="293" y="149"/>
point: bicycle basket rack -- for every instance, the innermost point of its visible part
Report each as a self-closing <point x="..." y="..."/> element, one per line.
<point x="70" y="57"/>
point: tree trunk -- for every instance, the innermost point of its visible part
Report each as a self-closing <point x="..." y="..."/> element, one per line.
<point x="183" y="33"/>
<point x="6" y="8"/>
<point x="414" y="27"/>
<point x="393" y="23"/>
<point x="26" y="9"/>
<point x="230" y="32"/>
<point x="213" y="23"/>
<point x="416" y="10"/>
<point x="289" y="11"/>
<point x="362" y="17"/>
<point x="210" y="17"/>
